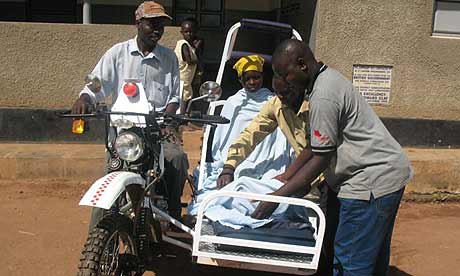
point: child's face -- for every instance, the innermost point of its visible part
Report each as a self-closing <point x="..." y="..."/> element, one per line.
<point x="188" y="31"/>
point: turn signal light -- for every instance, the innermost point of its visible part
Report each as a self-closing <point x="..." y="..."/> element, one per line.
<point x="130" y="89"/>
<point x="78" y="126"/>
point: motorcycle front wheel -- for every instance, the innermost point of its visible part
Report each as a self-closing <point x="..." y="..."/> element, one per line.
<point x="110" y="249"/>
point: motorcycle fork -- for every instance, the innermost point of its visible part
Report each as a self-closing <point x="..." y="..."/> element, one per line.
<point x="142" y="215"/>
<point x="136" y="194"/>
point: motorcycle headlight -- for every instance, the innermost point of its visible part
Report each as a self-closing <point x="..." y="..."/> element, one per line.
<point x="129" y="146"/>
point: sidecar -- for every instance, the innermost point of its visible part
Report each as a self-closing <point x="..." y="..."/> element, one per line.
<point x="284" y="250"/>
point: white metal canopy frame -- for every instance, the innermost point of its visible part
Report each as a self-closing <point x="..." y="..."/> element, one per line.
<point x="231" y="38"/>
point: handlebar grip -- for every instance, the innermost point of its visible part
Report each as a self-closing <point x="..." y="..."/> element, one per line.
<point x="97" y="111"/>
<point x="266" y="26"/>
<point x="68" y="114"/>
<point x="62" y="113"/>
<point x="215" y="119"/>
<point x="200" y="118"/>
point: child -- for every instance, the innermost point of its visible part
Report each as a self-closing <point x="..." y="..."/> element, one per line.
<point x="188" y="52"/>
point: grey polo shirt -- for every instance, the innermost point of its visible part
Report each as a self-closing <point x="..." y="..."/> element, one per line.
<point x="368" y="159"/>
<point x="158" y="71"/>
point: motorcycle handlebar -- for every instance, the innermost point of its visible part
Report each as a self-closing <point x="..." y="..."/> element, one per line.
<point x="193" y="118"/>
<point x="67" y="114"/>
<point x="199" y="118"/>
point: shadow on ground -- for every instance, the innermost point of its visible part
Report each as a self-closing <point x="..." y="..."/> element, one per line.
<point x="394" y="271"/>
<point x="179" y="261"/>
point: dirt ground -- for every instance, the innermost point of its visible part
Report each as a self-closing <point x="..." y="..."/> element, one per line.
<point x="43" y="229"/>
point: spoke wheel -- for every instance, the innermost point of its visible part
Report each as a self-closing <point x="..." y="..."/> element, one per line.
<point x="110" y="249"/>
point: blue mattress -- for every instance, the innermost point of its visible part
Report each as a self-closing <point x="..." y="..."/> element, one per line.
<point x="291" y="228"/>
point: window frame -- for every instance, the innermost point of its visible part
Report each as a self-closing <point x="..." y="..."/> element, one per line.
<point x="436" y="33"/>
<point x="198" y="12"/>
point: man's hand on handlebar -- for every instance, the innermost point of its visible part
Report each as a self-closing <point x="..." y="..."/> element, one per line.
<point x="171" y="133"/>
<point x="226" y="176"/>
<point x="171" y="108"/>
<point x="82" y="105"/>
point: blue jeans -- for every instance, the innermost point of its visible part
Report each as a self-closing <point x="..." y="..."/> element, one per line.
<point x="362" y="241"/>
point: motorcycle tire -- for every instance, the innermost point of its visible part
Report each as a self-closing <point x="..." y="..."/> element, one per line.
<point x="113" y="234"/>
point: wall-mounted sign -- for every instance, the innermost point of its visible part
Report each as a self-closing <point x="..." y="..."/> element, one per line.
<point x="373" y="82"/>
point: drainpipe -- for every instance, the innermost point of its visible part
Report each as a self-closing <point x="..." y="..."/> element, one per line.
<point x="86" y="11"/>
<point x="312" y="41"/>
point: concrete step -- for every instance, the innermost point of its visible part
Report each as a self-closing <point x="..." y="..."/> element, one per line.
<point x="436" y="170"/>
<point x="80" y="162"/>
<point x="51" y="161"/>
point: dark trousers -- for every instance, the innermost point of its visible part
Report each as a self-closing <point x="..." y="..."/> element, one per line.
<point x="362" y="242"/>
<point x="176" y="166"/>
<point x="330" y="206"/>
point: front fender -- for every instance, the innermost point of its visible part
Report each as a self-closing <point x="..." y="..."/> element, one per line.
<point x="106" y="190"/>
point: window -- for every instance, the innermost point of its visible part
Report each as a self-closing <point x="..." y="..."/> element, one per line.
<point x="208" y="13"/>
<point x="447" y="18"/>
<point x="51" y="11"/>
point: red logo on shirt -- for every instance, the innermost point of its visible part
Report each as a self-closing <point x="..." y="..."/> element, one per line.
<point x="320" y="137"/>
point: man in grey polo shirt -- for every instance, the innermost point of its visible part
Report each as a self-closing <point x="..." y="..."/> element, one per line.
<point x="361" y="160"/>
<point x="157" y="67"/>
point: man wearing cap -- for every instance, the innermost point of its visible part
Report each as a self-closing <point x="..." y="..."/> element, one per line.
<point x="157" y="66"/>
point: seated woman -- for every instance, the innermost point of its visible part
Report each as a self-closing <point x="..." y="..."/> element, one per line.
<point x="271" y="157"/>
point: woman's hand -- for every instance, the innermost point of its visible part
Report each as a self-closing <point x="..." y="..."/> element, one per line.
<point x="225" y="177"/>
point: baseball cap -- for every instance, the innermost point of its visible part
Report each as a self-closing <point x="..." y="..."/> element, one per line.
<point x="150" y="9"/>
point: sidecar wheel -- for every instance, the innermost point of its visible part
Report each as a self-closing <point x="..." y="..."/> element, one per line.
<point x="109" y="249"/>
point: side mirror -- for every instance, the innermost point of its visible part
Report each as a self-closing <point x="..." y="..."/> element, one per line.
<point x="93" y="83"/>
<point x="210" y="91"/>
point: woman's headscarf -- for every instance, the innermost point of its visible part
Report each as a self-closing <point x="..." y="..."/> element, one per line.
<point x="249" y="63"/>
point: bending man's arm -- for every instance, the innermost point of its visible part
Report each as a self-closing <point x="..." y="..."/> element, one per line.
<point x="324" y="118"/>
<point x="309" y="172"/>
<point x="298" y="163"/>
<point x="260" y="127"/>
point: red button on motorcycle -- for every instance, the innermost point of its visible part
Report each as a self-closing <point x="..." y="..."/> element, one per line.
<point x="130" y="89"/>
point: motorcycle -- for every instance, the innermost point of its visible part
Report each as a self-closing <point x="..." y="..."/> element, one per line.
<point x="133" y="230"/>
<point x="133" y="234"/>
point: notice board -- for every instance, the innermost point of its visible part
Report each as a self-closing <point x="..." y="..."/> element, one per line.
<point x="373" y="82"/>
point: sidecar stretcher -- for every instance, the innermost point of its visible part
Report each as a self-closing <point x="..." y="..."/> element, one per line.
<point x="284" y="256"/>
